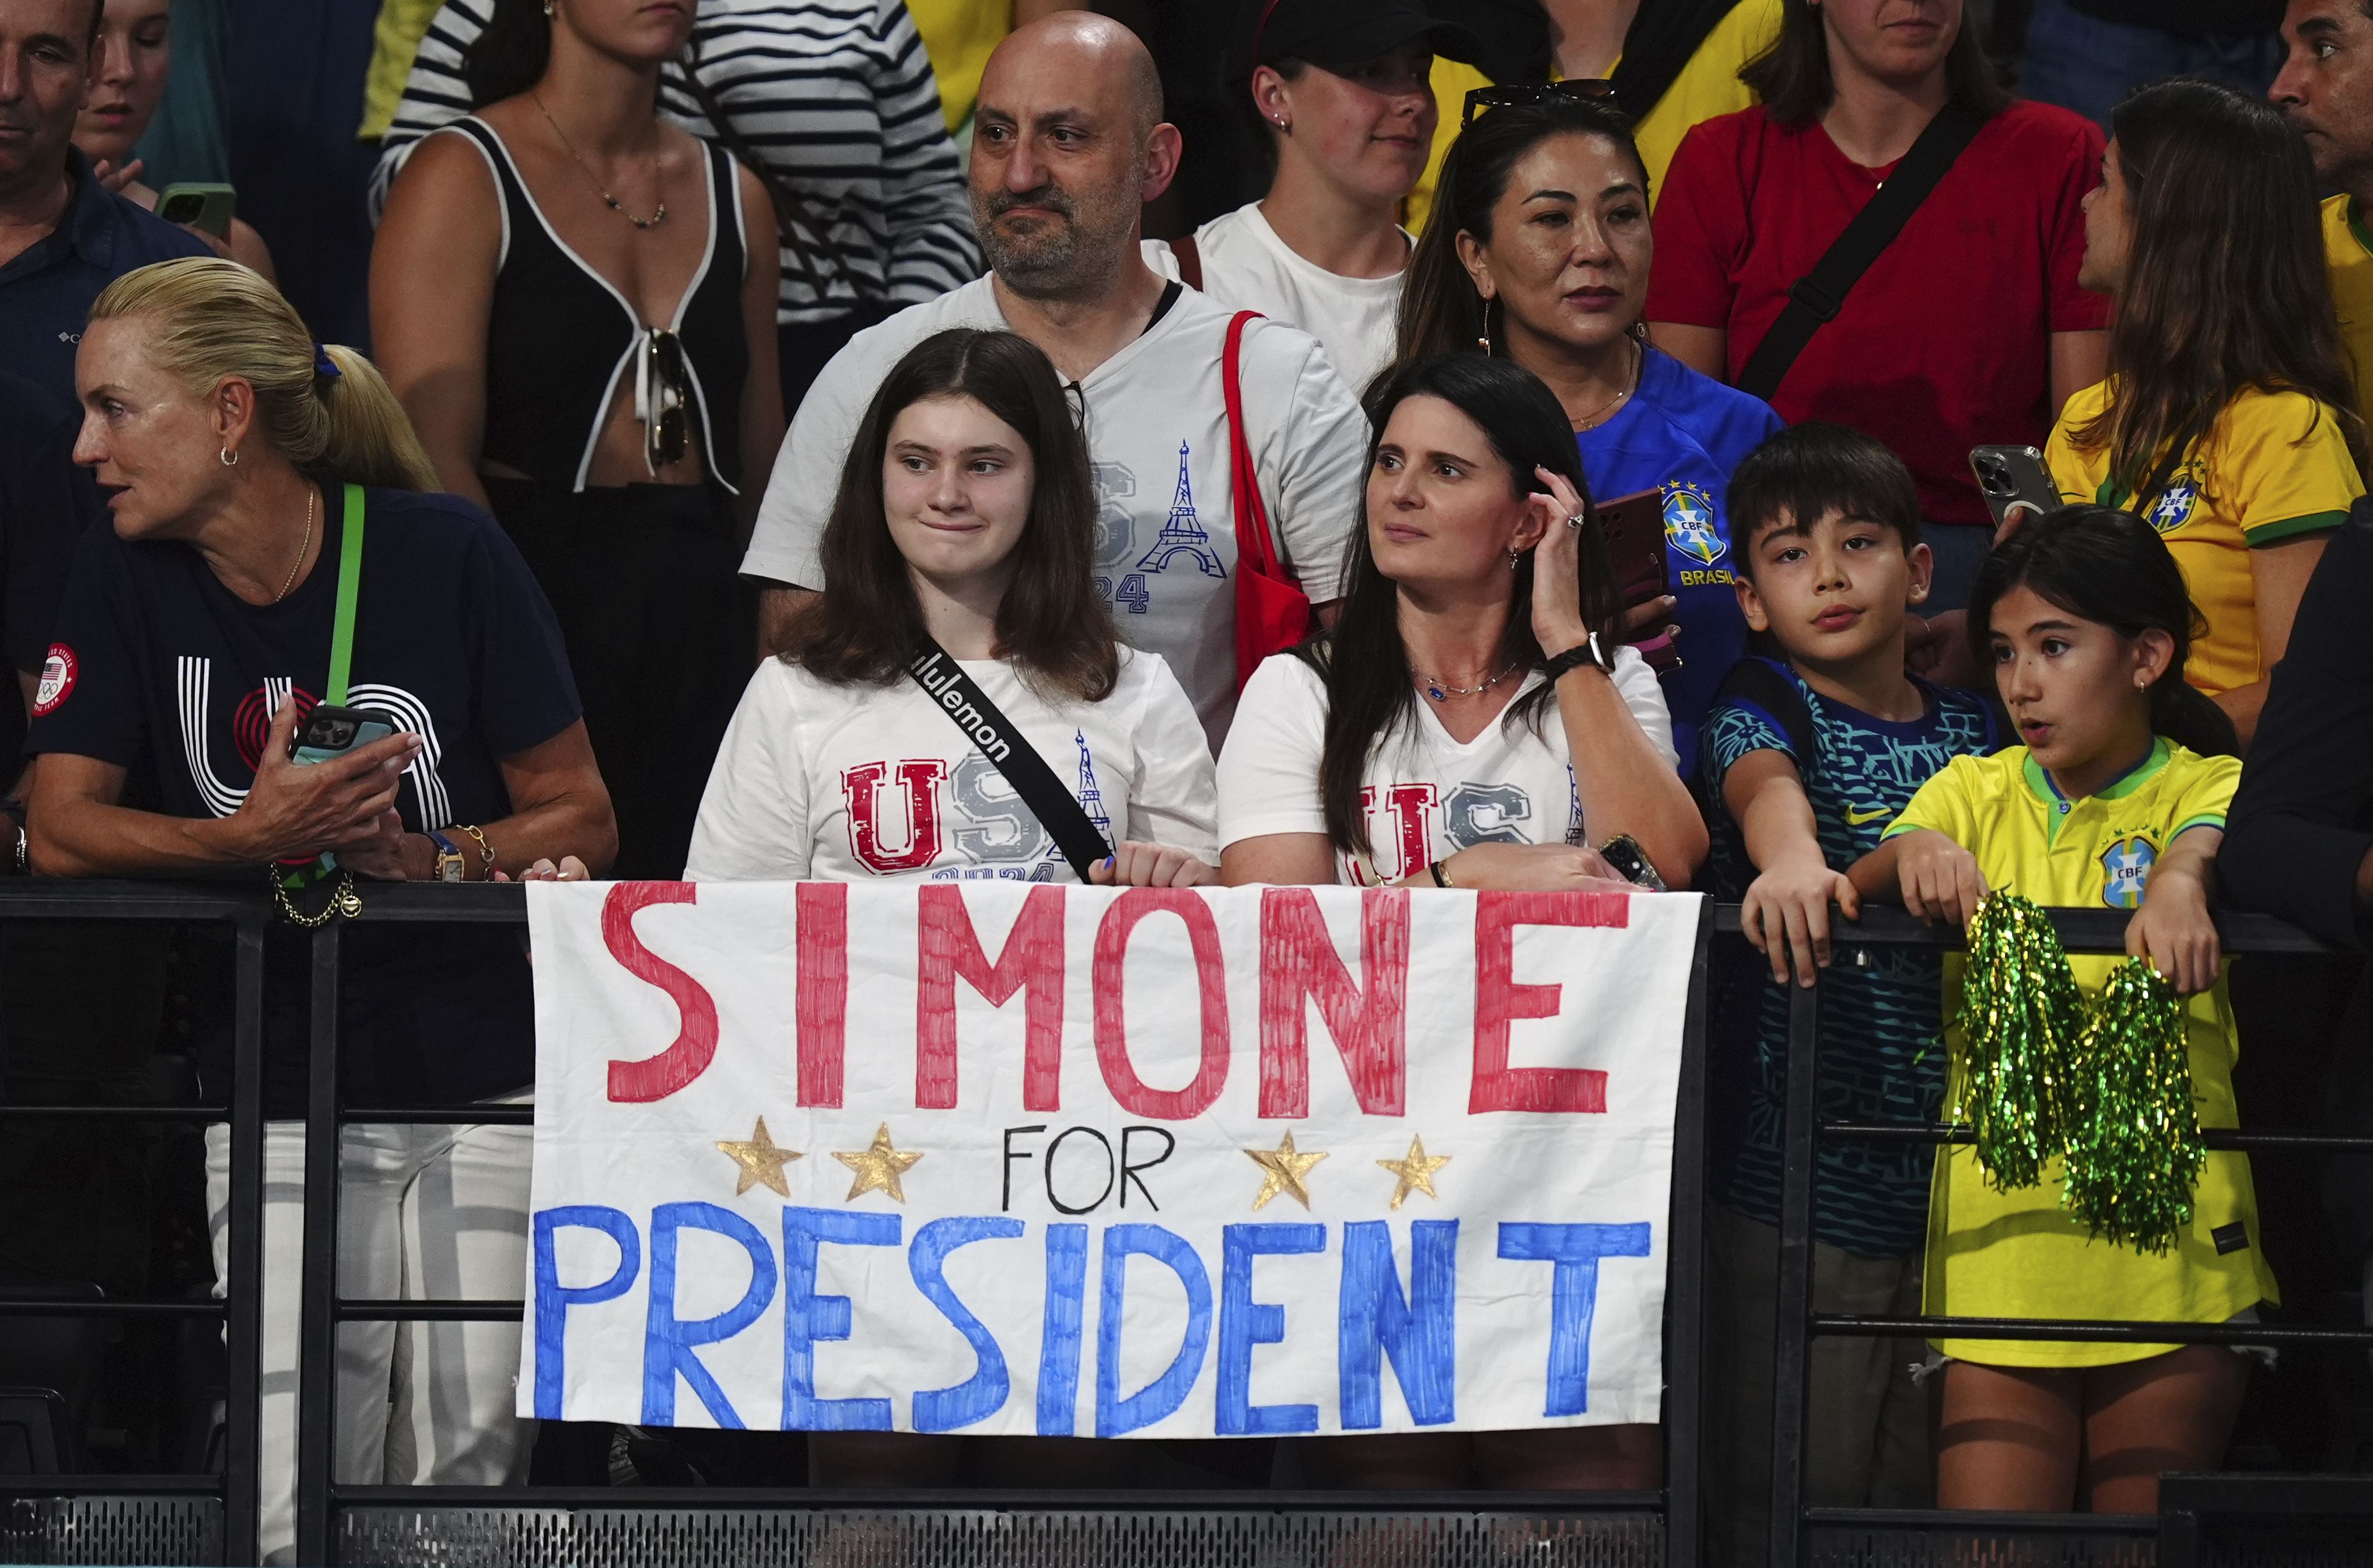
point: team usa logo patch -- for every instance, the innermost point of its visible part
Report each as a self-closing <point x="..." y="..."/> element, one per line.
<point x="1689" y="525"/>
<point x="2125" y="871"/>
<point x="2175" y="506"/>
<point x="58" y="672"/>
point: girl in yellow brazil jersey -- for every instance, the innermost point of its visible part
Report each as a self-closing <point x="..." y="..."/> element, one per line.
<point x="2228" y="420"/>
<point x="2117" y="799"/>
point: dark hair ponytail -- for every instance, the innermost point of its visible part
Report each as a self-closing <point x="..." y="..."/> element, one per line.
<point x="509" y="57"/>
<point x="1370" y="690"/>
<point x="2109" y="568"/>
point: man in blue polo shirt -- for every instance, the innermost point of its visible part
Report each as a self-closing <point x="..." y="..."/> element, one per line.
<point x="64" y="236"/>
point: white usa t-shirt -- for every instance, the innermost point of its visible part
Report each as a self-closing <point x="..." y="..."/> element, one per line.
<point x="831" y="783"/>
<point x="1248" y="268"/>
<point x="1425" y="796"/>
<point x="1157" y="429"/>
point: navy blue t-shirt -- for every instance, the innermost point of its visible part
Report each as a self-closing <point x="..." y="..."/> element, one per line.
<point x="1683" y="434"/>
<point x="159" y="669"/>
<point x="1882" y="1015"/>
<point x="45" y="502"/>
<point x="47" y="290"/>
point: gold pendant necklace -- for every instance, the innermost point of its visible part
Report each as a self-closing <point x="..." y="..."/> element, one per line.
<point x="302" y="545"/>
<point x="615" y="205"/>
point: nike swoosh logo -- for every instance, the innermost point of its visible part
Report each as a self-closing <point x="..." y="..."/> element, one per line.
<point x="1857" y="816"/>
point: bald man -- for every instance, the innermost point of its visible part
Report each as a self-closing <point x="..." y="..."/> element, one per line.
<point x="1068" y="146"/>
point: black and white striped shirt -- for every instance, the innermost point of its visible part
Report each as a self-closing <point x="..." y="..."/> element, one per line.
<point x="837" y="95"/>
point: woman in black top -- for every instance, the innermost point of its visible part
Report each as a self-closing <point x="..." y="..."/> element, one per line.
<point x="576" y="303"/>
<point x="195" y="633"/>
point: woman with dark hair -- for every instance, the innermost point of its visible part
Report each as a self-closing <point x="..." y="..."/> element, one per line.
<point x="967" y="515"/>
<point x="1539" y="251"/>
<point x="2117" y="799"/>
<point x="576" y="302"/>
<point x="1968" y="329"/>
<point x="1337" y="93"/>
<point x="1468" y="722"/>
<point x="2229" y="418"/>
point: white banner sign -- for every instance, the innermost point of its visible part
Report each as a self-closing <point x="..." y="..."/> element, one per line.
<point x="997" y="1158"/>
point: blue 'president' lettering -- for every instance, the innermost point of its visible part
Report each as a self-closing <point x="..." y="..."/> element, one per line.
<point x="1116" y="1417"/>
<point x="1244" y="1323"/>
<point x="808" y="1317"/>
<point x="982" y="1393"/>
<point x="1418" y="1333"/>
<point x="553" y="1299"/>
<point x="1059" y="1343"/>
<point x="668" y="1342"/>
<point x="1573" y="1296"/>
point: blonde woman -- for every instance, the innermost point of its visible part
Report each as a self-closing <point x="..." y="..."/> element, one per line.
<point x="195" y="635"/>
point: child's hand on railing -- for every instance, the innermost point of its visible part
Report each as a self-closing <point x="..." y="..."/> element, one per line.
<point x="1941" y="880"/>
<point x="1787" y="915"/>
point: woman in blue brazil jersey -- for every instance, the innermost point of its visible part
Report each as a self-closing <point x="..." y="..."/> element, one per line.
<point x="196" y="633"/>
<point x="1539" y="250"/>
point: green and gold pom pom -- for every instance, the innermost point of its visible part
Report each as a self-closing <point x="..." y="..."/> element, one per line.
<point x="2021" y="1019"/>
<point x="2134" y="1149"/>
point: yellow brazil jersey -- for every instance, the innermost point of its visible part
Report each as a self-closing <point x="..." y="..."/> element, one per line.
<point x="2273" y="467"/>
<point x="2348" y="248"/>
<point x="960" y="36"/>
<point x="1708" y="85"/>
<point x="2017" y="1253"/>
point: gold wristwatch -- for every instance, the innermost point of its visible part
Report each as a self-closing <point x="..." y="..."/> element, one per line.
<point x="450" y="864"/>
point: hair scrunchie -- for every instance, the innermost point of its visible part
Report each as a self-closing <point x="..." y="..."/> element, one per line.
<point x="324" y="367"/>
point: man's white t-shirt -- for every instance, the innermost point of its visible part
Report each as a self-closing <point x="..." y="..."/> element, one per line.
<point x="1248" y="268"/>
<point x="831" y="783"/>
<point x="1425" y="796"/>
<point x="1157" y="429"/>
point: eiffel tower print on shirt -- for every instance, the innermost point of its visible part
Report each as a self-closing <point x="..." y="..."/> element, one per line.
<point x="1182" y="533"/>
<point x="1091" y="798"/>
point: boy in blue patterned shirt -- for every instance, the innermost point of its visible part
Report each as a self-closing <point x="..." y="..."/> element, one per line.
<point x="1804" y="765"/>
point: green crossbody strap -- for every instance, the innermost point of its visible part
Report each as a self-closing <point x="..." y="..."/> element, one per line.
<point x="350" y="580"/>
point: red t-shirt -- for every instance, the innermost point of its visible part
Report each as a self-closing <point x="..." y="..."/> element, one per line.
<point x="1944" y="345"/>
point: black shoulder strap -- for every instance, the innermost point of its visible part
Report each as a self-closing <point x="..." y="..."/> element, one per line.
<point x="1191" y="261"/>
<point x="969" y="709"/>
<point x="1814" y="299"/>
<point x="1663" y="39"/>
<point x="1771" y="689"/>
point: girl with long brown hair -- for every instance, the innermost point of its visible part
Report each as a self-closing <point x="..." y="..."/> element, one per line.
<point x="2227" y="419"/>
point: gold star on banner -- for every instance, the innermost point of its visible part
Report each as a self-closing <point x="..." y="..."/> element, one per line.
<point x="1415" y="1172"/>
<point x="1286" y="1170"/>
<point x="878" y="1166"/>
<point x="760" y="1160"/>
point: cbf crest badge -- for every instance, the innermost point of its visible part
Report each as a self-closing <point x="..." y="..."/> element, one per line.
<point x="2175" y="505"/>
<point x="1688" y="523"/>
<point x="2125" y="871"/>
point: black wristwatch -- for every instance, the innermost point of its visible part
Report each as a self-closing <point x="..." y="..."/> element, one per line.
<point x="1583" y="653"/>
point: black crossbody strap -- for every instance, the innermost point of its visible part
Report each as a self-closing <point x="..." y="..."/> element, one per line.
<point x="1814" y="299"/>
<point x="996" y="738"/>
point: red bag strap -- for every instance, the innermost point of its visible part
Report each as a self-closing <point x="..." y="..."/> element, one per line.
<point x="1255" y="550"/>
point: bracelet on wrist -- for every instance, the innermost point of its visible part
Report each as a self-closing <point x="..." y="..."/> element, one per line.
<point x="1586" y="651"/>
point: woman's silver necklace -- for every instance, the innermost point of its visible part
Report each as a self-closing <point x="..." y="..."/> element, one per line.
<point x="1441" y="693"/>
<point x="302" y="545"/>
<point x="1607" y="410"/>
<point x="615" y="205"/>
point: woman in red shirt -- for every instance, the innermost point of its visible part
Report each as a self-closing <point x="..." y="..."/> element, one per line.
<point x="1969" y="330"/>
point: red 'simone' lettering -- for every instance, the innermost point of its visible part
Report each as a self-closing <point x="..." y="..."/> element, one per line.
<point x="821" y="1006"/>
<point x="1298" y="965"/>
<point x="1500" y="1001"/>
<point x="1032" y="961"/>
<point x="655" y="1077"/>
<point x="1111" y="1025"/>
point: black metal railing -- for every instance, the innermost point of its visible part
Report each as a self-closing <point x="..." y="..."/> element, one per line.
<point x="323" y="1501"/>
<point x="2081" y="931"/>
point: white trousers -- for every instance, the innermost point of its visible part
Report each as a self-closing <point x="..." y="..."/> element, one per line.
<point x="425" y="1213"/>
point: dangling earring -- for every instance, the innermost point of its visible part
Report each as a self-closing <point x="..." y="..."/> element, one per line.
<point x="547" y="7"/>
<point x="1484" y="342"/>
<point x="1514" y="556"/>
<point x="230" y="458"/>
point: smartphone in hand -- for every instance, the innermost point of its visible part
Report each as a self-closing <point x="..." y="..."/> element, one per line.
<point x="331" y="733"/>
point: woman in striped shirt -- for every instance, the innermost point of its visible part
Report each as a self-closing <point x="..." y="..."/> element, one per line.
<point x="832" y="102"/>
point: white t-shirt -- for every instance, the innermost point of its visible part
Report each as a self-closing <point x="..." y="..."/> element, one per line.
<point x="832" y="783"/>
<point x="1248" y="268"/>
<point x="1425" y="796"/>
<point x="1157" y="429"/>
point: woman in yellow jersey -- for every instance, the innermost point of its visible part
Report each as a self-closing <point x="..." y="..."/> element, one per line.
<point x="2117" y="799"/>
<point x="2229" y="419"/>
<point x="1674" y="63"/>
